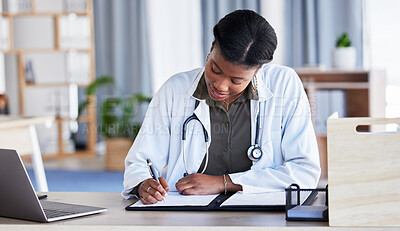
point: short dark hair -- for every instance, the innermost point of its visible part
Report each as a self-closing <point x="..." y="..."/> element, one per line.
<point x="245" y="38"/>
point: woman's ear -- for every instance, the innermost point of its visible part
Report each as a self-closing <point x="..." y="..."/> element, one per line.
<point x="212" y="46"/>
<point x="255" y="73"/>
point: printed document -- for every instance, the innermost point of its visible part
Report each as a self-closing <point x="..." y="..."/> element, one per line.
<point x="277" y="198"/>
<point x="176" y="199"/>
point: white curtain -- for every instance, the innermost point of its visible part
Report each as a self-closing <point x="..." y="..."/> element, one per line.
<point x="143" y="42"/>
<point x="174" y="28"/>
<point x="314" y="25"/>
<point x="122" y="48"/>
<point x="274" y="12"/>
<point x="213" y="10"/>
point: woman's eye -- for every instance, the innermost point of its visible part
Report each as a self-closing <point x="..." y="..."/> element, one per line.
<point x="236" y="82"/>
<point x="214" y="71"/>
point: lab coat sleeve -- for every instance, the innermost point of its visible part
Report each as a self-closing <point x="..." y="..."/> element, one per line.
<point x="299" y="149"/>
<point x="151" y="142"/>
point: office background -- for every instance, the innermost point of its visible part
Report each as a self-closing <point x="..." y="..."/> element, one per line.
<point x="166" y="37"/>
<point x="141" y="43"/>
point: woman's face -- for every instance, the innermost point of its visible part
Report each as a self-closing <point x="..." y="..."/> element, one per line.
<point x="224" y="80"/>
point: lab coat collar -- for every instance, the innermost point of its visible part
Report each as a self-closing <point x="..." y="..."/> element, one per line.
<point x="264" y="93"/>
<point x="194" y="84"/>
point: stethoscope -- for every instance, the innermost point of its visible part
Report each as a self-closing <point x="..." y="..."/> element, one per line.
<point x="254" y="152"/>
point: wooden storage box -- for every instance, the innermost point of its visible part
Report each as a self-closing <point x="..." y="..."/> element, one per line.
<point x="363" y="173"/>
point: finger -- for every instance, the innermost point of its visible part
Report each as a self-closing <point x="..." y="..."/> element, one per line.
<point x="144" y="201"/>
<point x="164" y="183"/>
<point x="147" y="198"/>
<point x="182" y="186"/>
<point x="155" y="194"/>
<point x="143" y="187"/>
<point x="189" y="191"/>
<point x="157" y="186"/>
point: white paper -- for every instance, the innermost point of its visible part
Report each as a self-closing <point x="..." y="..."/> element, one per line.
<point x="307" y="211"/>
<point x="176" y="199"/>
<point x="277" y="198"/>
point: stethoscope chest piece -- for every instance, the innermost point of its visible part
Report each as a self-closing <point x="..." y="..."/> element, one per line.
<point x="254" y="153"/>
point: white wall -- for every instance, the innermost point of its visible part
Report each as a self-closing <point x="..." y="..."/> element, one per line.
<point x="382" y="47"/>
<point x="2" y="75"/>
<point x="274" y="12"/>
<point x="175" y="38"/>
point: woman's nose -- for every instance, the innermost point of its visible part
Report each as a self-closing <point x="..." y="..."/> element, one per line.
<point x="221" y="85"/>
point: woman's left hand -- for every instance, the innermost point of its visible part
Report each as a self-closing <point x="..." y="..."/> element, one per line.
<point x="200" y="184"/>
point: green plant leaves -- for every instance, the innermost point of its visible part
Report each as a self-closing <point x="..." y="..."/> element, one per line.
<point x="117" y="116"/>
<point x="117" y="113"/>
<point x="343" y="41"/>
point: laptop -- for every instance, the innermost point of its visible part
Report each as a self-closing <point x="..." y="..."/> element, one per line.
<point x="19" y="200"/>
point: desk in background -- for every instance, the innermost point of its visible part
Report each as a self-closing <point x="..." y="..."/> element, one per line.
<point x="19" y="133"/>
<point x="116" y="218"/>
<point x="364" y="91"/>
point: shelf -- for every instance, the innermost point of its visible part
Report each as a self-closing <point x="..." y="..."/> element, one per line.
<point x="45" y="50"/>
<point x="335" y="85"/>
<point x="333" y="76"/>
<point x="363" y="93"/>
<point x="51" y="55"/>
<point x="41" y="14"/>
<point x="53" y="85"/>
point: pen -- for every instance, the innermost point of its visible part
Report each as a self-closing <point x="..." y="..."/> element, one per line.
<point x="41" y="196"/>
<point x="152" y="171"/>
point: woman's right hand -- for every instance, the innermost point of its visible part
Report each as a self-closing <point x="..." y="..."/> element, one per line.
<point x="150" y="191"/>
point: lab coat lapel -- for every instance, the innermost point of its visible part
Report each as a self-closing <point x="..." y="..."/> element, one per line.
<point x="203" y="113"/>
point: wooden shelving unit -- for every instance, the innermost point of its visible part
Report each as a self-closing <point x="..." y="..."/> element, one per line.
<point x="55" y="16"/>
<point x="364" y="95"/>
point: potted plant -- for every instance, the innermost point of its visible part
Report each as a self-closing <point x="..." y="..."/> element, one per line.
<point x="119" y="127"/>
<point x="117" y="124"/>
<point x="344" y="56"/>
<point x="89" y="104"/>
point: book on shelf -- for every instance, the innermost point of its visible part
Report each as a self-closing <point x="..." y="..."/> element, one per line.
<point x="29" y="73"/>
<point x="75" y="5"/>
<point x="17" y="6"/>
<point x="74" y="32"/>
<point x="42" y="72"/>
<point x="78" y="67"/>
<point x="4" y="36"/>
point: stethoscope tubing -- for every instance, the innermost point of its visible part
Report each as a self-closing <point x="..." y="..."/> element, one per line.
<point x="206" y="137"/>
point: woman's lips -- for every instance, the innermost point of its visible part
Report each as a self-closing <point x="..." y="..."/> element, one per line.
<point x="216" y="94"/>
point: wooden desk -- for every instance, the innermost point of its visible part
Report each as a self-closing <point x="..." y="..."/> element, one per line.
<point x="116" y="218"/>
<point x="19" y="133"/>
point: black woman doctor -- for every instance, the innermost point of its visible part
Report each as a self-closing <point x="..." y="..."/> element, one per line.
<point x="238" y="124"/>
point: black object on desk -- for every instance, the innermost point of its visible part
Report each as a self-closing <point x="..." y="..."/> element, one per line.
<point x="41" y="196"/>
<point x="305" y="212"/>
<point x="217" y="205"/>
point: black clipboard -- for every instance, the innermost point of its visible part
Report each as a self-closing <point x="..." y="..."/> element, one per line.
<point x="215" y="205"/>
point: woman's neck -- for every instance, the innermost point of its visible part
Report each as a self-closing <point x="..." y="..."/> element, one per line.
<point x="226" y="103"/>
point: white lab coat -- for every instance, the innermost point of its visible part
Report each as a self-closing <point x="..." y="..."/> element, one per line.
<point x="287" y="138"/>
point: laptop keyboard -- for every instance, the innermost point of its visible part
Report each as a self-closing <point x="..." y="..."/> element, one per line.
<point x="51" y="213"/>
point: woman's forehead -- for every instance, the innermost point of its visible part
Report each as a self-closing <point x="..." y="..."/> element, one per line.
<point x="229" y="68"/>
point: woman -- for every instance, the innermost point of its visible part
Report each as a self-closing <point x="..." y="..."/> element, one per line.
<point x="239" y="101"/>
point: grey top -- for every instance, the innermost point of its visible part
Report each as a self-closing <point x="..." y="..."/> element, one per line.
<point x="230" y="132"/>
